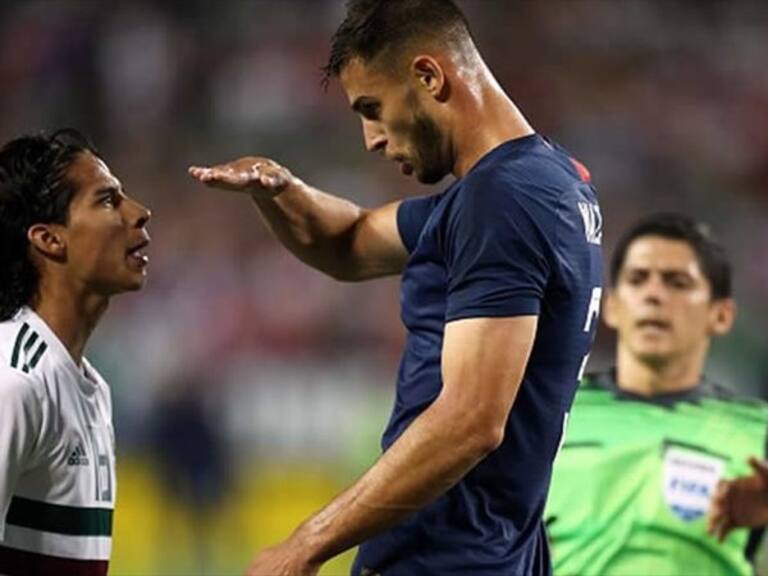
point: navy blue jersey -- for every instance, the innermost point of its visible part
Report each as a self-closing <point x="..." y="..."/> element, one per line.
<point x="518" y="235"/>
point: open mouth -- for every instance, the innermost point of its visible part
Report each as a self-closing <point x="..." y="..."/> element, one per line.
<point x="138" y="253"/>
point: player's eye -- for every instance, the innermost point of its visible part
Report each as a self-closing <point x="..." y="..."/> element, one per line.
<point x="636" y="277"/>
<point x="110" y="200"/>
<point x="679" y="281"/>
<point x="370" y="111"/>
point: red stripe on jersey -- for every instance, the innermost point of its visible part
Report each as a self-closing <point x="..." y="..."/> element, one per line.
<point x="20" y="563"/>
<point x="582" y="170"/>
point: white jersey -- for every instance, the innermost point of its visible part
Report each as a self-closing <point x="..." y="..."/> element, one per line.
<point x="57" y="456"/>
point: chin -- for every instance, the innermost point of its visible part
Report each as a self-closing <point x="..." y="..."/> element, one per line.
<point x="134" y="284"/>
<point x="430" y="177"/>
<point x="137" y="285"/>
<point x="655" y="357"/>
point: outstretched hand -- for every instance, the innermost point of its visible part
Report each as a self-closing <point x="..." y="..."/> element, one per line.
<point x="260" y="177"/>
<point x="740" y="502"/>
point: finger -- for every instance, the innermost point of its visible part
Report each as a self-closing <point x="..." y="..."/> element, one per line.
<point x="195" y="170"/>
<point x="715" y="518"/>
<point x="229" y="175"/>
<point x="759" y="466"/>
<point x="718" y="509"/>
<point x="198" y="172"/>
<point x="225" y="177"/>
<point x="223" y="172"/>
<point x="715" y="515"/>
<point x="724" y="529"/>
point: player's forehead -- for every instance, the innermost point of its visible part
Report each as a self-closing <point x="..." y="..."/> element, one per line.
<point x="89" y="174"/>
<point x="656" y="253"/>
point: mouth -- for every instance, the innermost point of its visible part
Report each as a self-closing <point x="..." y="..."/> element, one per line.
<point x="138" y="253"/>
<point x="406" y="169"/>
<point x="654" y="324"/>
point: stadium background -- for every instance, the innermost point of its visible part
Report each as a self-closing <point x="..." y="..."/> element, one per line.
<point x="248" y="388"/>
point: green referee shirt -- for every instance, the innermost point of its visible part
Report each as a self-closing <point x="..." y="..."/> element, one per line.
<point x="632" y="483"/>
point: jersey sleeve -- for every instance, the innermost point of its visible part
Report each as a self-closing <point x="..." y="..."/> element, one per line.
<point x="20" y="423"/>
<point x="496" y="252"/>
<point x="412" y="214"/>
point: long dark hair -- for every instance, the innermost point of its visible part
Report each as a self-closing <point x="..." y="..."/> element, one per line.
<point x="34" y="189"/>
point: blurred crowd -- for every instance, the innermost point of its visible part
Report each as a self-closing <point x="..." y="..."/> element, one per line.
<point x="665" y="102"/>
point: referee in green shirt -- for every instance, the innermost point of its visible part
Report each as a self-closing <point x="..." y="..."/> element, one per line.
<point x="650" y="443"/>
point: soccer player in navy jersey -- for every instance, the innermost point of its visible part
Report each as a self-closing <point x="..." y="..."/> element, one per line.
<point x="501" y="281"/>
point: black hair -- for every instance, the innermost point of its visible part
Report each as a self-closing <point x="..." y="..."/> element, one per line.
<point x="674" y="226"/>
<point x="34" y="189"/>
<point x="373" y="27"/>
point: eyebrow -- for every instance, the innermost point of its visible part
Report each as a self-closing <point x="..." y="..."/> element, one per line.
<point x="663" y="271"/>
<point x="107" y="191"/>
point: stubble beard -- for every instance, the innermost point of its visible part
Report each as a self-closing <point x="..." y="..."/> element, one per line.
<point x="428" y="143"/>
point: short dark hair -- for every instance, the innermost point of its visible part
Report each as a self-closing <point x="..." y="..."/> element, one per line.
<point x="34" y="189"/>
<point x="674" y="226"/>
<point x="372" y="27"/>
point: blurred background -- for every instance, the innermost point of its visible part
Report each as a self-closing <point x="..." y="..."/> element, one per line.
<point x="249" y="389"/>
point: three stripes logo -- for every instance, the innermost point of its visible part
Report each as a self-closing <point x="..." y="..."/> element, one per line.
<point x="27" y="350"/>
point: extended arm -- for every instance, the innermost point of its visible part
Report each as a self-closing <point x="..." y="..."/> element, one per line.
<point x="483" y="364"/>
<point x="326" y="232"/>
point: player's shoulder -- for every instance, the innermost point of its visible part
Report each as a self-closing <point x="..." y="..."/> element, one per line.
<point x="19" y="344"/>
<point x="530" y="160"/>
<point x="719" y="396"/>
<point x="24" y="344"/>
<point x="534" y="175"/>
<point x="18" y="388"/>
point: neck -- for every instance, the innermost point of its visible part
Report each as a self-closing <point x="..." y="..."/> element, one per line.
<point x="486" y="118"/>
<point x="651" y="378"/>
<point x="71" y="317"/>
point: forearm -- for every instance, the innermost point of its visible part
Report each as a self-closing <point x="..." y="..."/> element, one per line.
<point x="326" y="232"/>
<point x="316" y="227"/>
<point x="432" y="455"/>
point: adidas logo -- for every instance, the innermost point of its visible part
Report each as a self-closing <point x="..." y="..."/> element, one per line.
<point x="78" y="457"/>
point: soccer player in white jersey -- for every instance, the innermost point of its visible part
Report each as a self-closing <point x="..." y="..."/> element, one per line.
<point x="70" y="239"/>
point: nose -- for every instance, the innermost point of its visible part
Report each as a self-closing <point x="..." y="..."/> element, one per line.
<point x="654" y="290"/>
<point x="375" y="138"/>
<point x="140" y="214"/>
<point x="144" y="218"/>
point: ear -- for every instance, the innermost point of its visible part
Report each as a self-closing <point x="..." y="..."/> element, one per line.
<point x="610" y="312"/>
<point x="47" y="239"/>
<point x="431" y="76"/>
<point x="722" y="314"/>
